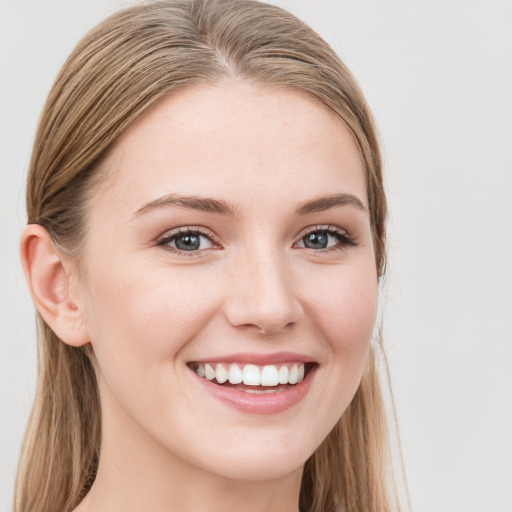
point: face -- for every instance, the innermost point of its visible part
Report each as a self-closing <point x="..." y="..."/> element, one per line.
<point x="229" y="283"/>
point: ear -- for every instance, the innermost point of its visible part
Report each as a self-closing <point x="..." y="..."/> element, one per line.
<point x="48" y="273"/>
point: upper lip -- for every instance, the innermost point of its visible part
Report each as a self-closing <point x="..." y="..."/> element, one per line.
<point x="258" y="359"/>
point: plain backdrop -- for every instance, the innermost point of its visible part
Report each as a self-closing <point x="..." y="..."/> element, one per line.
<point x="438" y="75"/>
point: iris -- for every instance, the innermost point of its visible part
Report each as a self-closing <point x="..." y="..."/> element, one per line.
<point x="316" y="240"/>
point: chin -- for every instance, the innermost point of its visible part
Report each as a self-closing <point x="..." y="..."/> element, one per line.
<point x="264" y="457"/>
<point x="265" y="467"/>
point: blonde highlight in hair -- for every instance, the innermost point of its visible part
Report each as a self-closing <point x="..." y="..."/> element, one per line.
<point x="113" y="76"/>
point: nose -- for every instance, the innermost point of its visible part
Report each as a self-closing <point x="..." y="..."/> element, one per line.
<point x="262" y="294"/>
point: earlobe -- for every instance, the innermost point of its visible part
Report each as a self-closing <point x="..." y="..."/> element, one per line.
<point x="49" y="284"/>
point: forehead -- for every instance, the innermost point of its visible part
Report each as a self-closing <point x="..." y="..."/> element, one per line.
<point x="242" y="142"/>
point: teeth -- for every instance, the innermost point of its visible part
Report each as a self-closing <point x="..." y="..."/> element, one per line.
<point x="252" y="375"/>
<point x="283" y="375"/>
<point x="269" y="376"/>
<point x="235" y="374"/>
<point x="294" y="375"/>
<point x="256" y="391"/>
<point x="301" y="373"/>
<point x="209" y="372"/>
<point x="221" y="374"/>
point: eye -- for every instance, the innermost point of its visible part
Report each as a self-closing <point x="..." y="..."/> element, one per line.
<point x="186" y="240"/>
<point x="322" y="238"/>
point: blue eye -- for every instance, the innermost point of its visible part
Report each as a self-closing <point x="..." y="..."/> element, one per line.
<point x="325" y="238"/>
<point x="187" y="241"/>
<point x="317" y="240"/>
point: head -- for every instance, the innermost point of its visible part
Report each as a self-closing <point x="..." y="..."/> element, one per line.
<point x="169" y="75"/>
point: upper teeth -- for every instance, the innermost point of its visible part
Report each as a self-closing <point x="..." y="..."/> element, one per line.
<point x="252" y="375"/>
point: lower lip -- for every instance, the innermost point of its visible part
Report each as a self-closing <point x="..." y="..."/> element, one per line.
<point x="265" y="403"/>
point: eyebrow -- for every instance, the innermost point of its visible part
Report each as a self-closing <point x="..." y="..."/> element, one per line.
<point x="220" y="207"/>
<point x="327" y="202"/>
<point x="203" y="204"/>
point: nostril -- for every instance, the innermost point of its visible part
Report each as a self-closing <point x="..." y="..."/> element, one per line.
<point x="268" y="330"/>
<point x="264" y="318"/>
<point x="262" y="297"/>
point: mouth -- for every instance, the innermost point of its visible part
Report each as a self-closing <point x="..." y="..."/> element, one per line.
<point x="252" y="378"/>
<point x="256" y="388"/>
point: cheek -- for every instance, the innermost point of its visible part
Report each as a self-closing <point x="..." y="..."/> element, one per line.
<point x="143" y="316"/>
<point x="345" y="310"/>
<point x="342" y="311"/>
<point x="140" y="322"/>
<point x="345" y="307"/>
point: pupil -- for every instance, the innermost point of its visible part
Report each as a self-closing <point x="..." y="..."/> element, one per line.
<point x="315" y="241"/>
<point x="187" y="242"/>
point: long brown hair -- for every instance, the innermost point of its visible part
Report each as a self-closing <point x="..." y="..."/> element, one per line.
<point x="114" y="74"/>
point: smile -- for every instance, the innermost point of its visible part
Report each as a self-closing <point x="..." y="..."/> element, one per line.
<point x="256" y="388"/>
<point x="278" y="377"/>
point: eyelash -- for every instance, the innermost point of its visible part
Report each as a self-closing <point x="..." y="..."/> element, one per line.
<point x="166" y="239"/>
<point x="343" y="238"/>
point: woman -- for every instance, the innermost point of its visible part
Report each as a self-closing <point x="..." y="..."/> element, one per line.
<point x="204" y="244"/>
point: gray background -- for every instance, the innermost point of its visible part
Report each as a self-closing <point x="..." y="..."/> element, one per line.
<point x="438" y="74"/>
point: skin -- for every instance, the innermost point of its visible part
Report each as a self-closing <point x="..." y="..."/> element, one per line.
<point x="148" y="309"/>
